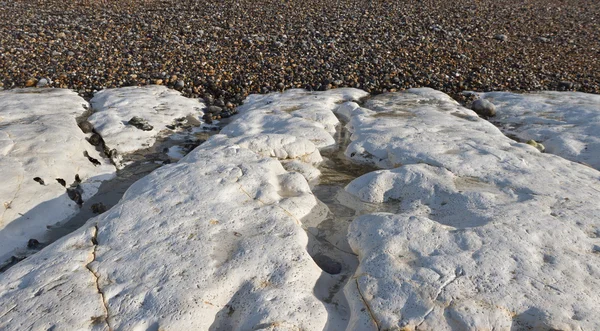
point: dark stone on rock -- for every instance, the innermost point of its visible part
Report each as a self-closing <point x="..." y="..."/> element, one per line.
<point x="95" y="140"/>
<point x="39" y="180"/>
<point x="113" y="154"/>
<point x="77" y="179"/>
<point x="86" y="127"/>
<point x="61" y="182"/>
<point x="140" y="123"/>
<point x="33" y="243"/>
<point x="327" y="264"/>
<point x="98" y="208"/>
<point x="94" y="161"/>
<point x="75" y="195"/>
<point x="484" y="108"/>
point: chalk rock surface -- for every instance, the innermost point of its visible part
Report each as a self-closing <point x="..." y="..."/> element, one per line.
<point x="492" y="234"/>
<point x="155" y="104"/>
<point x="566" y="123"/>
<point x="485" y="232"/>
<point x="294" y="112"/>
<point x="40" y="146"/>
<point x="212" y="242"/>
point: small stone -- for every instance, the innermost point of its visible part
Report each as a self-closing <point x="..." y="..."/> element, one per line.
<point x="113" y="154"/>
<point x="537" y="145"/>
<point x="75" y="195"/>
<point x="30" y="83"/>
<point x="42" y="82"/>
<point x="33" y="243"/>
<point x="95" y="140"/>
<point x="98" y="208"/>
<point x="207" y="118"/>
<point x="86" y="127"/>
<point x="501" y="37"/>
<point x="158" y="82"/>
<point x="140" y="123"/>
<point x="214" y="109"/>
<point x="565" y="85"/>
<point x="55" y="53"/>
<point x="179" y="85"/>
<point x="484" y="108"/>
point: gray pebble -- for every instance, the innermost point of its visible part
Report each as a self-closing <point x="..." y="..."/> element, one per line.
<point x="214" y="109"/>
<point x="42" y="82"/>
<point x="501" y="37"/>
<point x="484" y="108"/>
<point x="86" y="127"/>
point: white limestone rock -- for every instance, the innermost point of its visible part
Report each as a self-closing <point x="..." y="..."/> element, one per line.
<point x="491" y="234"/>
<point x="39" y="137"/>
<point x="212" y="242"/>
<point x="157" y="105"/>
<point x="566" y="123"/>
<point x="294" y="112"/>
<point x="54" y="289"/>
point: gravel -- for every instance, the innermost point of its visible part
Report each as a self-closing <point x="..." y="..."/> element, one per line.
<point x="224" y="50"/>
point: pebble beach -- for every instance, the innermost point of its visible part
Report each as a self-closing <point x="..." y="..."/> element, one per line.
<point x="223" y="51"/>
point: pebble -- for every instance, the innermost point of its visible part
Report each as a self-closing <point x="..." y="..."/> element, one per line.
<point x="501" y="37"/>
<point x="214" y="109"/>
<point x="484" y="108"/>
<point x="95" y="140"/>
<point x="537" y="145"/>
<point x="86" y="126"/>
<point x="42" y="82"/>
<point x="140" y="123"/>
<point x="258" y="47"/>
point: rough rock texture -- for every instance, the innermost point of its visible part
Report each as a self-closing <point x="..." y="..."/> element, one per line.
<point x="295" y="154"/>
<point x="492" y="234"/>
<point x="566" y="123"/>
<point x="212" y="242"/>
<point x="486" y="233"/>
<point x="295" y="112"/>
<point x="42" y="147"/>
<point x="157" y="105"/>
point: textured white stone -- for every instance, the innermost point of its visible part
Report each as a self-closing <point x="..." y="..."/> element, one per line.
<point x="566" y="123"/>
<point x="156" y="104"/>
<point x="491" y="234"/>
<point x="212" y="242"/>
<point x="39" y="137"/>
<point x="294" y="112"/>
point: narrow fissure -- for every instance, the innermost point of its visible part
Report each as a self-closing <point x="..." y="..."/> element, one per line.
<point x="106" y="317"/>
